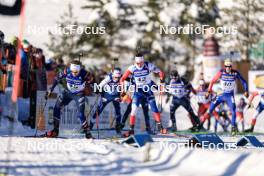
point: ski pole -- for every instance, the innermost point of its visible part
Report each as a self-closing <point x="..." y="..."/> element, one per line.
<point x="97" y="124"/>
<point x="97" y="119"/>
<point x="42" y="112"/>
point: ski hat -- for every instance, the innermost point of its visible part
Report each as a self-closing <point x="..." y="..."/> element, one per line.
<point x="2" y="35"/>
<point x="117" y="72"/>
<point x="228" y="62"/>
<point x="201" y="82"/>
<point x="139" y="58"/>
<point x="75" y="67"/>
<point x="174" y="74"/>
<point x="242" y="99"/>
<point x="25" y="45"/>
<point x="14" y="40"/>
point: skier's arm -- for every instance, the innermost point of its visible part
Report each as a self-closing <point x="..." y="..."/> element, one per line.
<point x="104" y="81"/>
<point x="251" y="97"/>
<point x="125" y="76"/>
<point x="189" y="86"/>
<point x="243" y="81"/>
<point x="214" y="80"/>
<point x="156" y="70"/>
<point x="61" y="76"/>
<point x="89" y="78"/>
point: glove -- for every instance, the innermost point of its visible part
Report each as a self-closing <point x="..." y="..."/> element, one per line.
<point x="123" y="94"/>
<point x="48" y="93"/>
<point x="162" y="88"/>
<point x="207" y="94"/>
<point x="118" y="99"/>
<point x="250" y="105"/>
<point x="246" y="94"/>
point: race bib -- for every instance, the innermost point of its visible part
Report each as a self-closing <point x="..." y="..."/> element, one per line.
<point x="142" y="80"/>
<point x="177" y="91"/>
<point x="228" y="86"/>
<point x="75" y="88"/>
<point x="201" y="98"/>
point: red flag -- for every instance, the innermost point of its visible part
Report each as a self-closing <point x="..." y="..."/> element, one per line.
<point x="18" y="56"/>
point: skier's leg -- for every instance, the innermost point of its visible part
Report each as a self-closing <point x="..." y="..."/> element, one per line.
<point x="209" y="124"/>
<point x="187" y="106"/>
<point x="118" y="116"/>
<point x="215" y="126"/>
<point x="99" y="109"/>
<point x="80" y="102"/>
<point x="117" y="111"/>
<point x="239" y="116"/>
<point x="156" y="113"/>
<point x="201" y="110"/>
<point x="63" y="100"/>
<point x="213" y="105"/>
<point x="126" y="114"/>
<point x="259" y="109"/>
<point x="230" y="101"/>
<point x="173" y="107"/>
<point x="145" y="108"/>
<point x="135" y="103"/>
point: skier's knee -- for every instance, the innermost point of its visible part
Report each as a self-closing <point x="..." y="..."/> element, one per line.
<point x="134" y="109"/>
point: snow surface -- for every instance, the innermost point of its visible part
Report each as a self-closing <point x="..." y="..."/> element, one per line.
<point x="79" y="156"/>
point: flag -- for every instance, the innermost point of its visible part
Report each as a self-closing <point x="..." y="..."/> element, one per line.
<point x="18" y="55"/>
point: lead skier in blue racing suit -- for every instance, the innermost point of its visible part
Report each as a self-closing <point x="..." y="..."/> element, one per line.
<point x="227" y="79"/>
<point x="77" y="79"/>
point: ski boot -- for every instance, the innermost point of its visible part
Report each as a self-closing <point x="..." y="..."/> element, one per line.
<point x="130" y="132"/>
<point x="88" y="134"/>
<point x="149" y="131"/>
<point x="52" y="133"/>
<point x="161" y="129"/>
<point x="250" y="130"/>
<point x="173" y="127"/>
<point x="55" y="132"/>
<point x="122" y="125"/>
<point x="118" y="128"/>
<point x="86" y="130"/>
<point x="234" y="130"/>
<point x="200" y="127"/>
<point x="91" y="125"/>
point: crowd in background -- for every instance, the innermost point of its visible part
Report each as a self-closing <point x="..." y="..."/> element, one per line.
<point x="37" y="71"/>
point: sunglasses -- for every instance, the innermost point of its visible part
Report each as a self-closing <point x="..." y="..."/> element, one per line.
<point x="227" y="66"/>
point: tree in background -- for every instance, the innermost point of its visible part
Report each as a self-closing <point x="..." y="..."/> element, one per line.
<point x="64" y="43"/>
<point x="197" y="13"/>
<point x="247" y="17"/>
<point x="135" y="27"/>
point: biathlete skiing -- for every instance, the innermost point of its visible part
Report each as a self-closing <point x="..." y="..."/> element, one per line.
<point x="179" y="88"/>
<point x="141" y="73"/>
<point x="258" y="110"/>
<point x="227" y="77"/>
<point x="109" y="90"/>
<point x="77" y="79"/>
